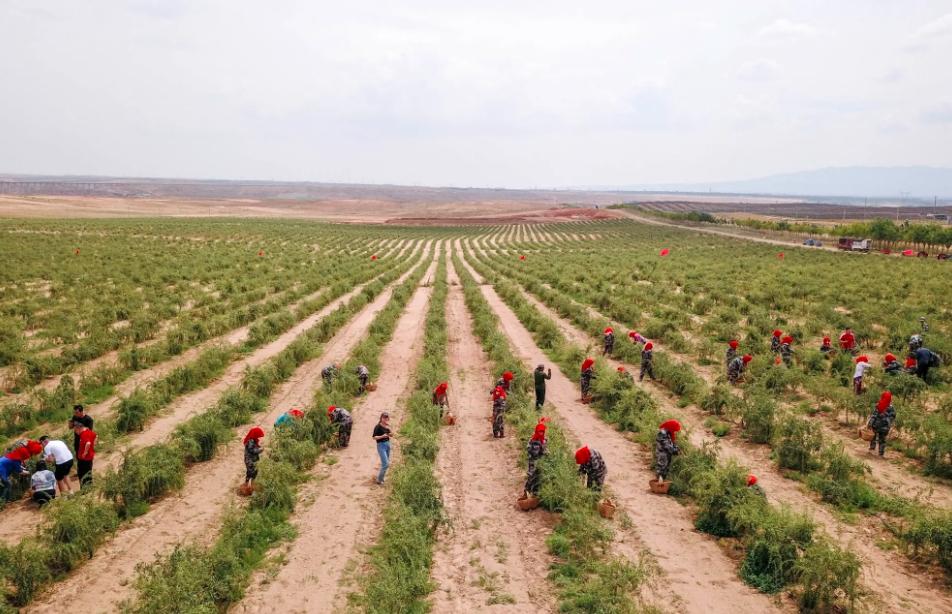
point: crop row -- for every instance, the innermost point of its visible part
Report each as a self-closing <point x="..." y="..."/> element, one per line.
<point x="75" y="526"/>
<point x="588" y="575"/>
<point x="196" y="578"/>
<point x="799" y="446"/>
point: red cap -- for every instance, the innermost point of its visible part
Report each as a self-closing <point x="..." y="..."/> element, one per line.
<point x="507" y="376"/>
<point x="296" y="413"/>
<point x="665" y="252"/>
<point x="583" y="455"/>
<point x="885" y="400"/>
<point x="330" y="409"/>
<point x="787" y="339"/>
<point x="649" y="346"/>
<point x="621" y="369"/>
<point x="863" y="358"/>
<point x="255" y="433"/>
<point x="751" y="479"/>
<point x="777" y="332"/>
<point x="587" y="363"/>
<point x="539" y="434"/>
<point x="889" y="357"/>
<point x="609" y="329"/>
<point x="747" y="358"/>
<point x="671" y="426"/>
<point x="733" y="343"/>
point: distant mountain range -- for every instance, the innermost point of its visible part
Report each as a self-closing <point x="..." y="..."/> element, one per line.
<point x="894" y="183"/>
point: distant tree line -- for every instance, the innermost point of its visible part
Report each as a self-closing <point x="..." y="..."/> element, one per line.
<point x="883" y="230"/>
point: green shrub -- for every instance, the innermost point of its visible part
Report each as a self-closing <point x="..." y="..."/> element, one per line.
<point x="25" y="570"/>
<point x="717" y="493"/>
<point x="143" y="476"/>
<point x="932" y="534"/>
<point x="720" y="401"/>
<point x="73" y="528"/>
<point x="797" y="442"/>
<point x="198" y="439"/>
<point x="772" y="553"/>
<point x="829" y="578"/>
<point x="758" y="418"/>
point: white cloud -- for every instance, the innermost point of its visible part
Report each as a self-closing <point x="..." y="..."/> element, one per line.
<point x="939" y="28"/>
<point x="938" y="114"/>
<point x="784" y="29"/>
<point x="762" y="69"/>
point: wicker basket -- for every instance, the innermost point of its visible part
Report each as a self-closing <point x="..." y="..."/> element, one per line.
<point x="659" y="488"/>
<point x="527" y="502"/>
<point x="245" y="490"/>
<point x="370" y="387"/>
<point x="866" y="433"/>
<point x="607" y="507"/>
<point x="449" y="419"/>
<point x="586" y="399"/>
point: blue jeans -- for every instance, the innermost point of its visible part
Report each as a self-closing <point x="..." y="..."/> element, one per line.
<point x="383" y="449"/>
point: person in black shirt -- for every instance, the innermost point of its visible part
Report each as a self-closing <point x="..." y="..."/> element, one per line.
<point x="382" y="437"/>
<point x="79" y="417"/>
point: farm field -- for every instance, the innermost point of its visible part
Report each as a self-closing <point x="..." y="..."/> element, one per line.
<point x="179" y="335"/>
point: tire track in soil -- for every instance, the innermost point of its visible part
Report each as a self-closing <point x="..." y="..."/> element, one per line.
<point x="24" y="519"/>
<point x="195" y="513"/>
<point x="908" y="586"/>
<point x="486" y="535"/>
<point x="695" y="568"/>
<point x="342" y="515"/>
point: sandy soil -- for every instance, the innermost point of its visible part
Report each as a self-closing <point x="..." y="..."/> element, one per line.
<point x="489" y="551"/>
<point x="23" y="519"/>
<point x="195" y="512"/>
<point x="908" y="584"/>
<point x="344" y="504"/>
<point x="694" y="567"/>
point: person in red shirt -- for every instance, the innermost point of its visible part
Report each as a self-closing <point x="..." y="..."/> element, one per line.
<point x="848" y="340"/>
<point x="85" y="453"/>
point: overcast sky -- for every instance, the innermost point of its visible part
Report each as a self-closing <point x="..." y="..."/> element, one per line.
<point x="482" y="93"/>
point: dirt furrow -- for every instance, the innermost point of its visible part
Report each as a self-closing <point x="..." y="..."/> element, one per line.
<point x="195" y="512"/>
<point x="489" y="554"/>
<point x="22" y="520"/>
<point x="343" y="512"/>
<point x="908" y="583"/>
<point x="695" y="568"/>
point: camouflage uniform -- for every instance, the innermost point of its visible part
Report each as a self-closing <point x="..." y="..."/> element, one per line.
<point x="328" y="374"/>
<point x="881" y="423"/>
<point x="595" y="470"/>
<point x="775" y="345"/>
<point x="647" y="356"/>
<point x="893" y="367"/>
<point x="609" y="344"/>
<point x="915" y="342"/>
<point x="363" y="374"/>
<point x="586" y="381"/>
<point x="730" y="355"/>
<point x="735" y="369"/>
<point x="535" y="450"/>
<point x="252" y="454"/>
<point x="664" y="451"/>
<point x="499" y="423"/>
<point x="786" y="352"/>
<point x="345" y="423"/>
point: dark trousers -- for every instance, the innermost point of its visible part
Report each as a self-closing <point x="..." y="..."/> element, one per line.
<point x="343" y="434"/>
<point x="84" y="470"/>
<point x="879" y="437"/>
<point x="540" y="397"/>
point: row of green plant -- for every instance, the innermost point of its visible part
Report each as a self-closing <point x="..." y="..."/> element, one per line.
<point x="135" y="409"/>
<point x="588" y="576"/>
<point x="145" y="294"/>
<point x="799" y="446"/>
<point x="701" y="303"/>
<point x="196" y="578"/>
<point x="782" y="549"/>
<point x="398" y="575"/>
<point x="74" y="526"/>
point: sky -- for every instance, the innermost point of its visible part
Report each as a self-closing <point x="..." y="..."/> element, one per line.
<point x="489" y="93"/>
